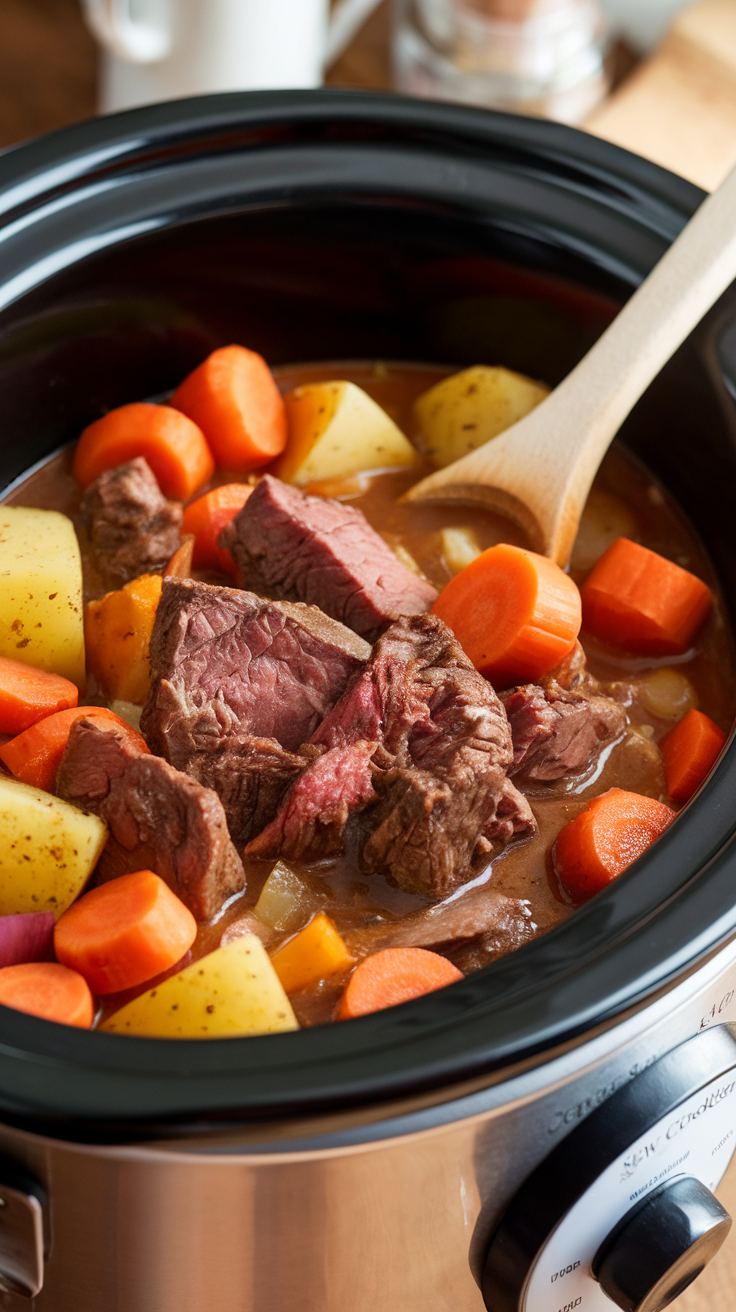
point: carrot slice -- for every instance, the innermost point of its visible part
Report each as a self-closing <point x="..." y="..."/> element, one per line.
<point x="516" y="614"/>
<point x="689" y="752"/>
<point x="614" y="830"/>
<point x="207" y="517"/>
<point x="315" y="953"/>
<point x="174" y="447"/>
<point x="394" y="975"/>
<point x="233" y="397"/>
<point x="180" y="565"/>
<point x="46" y="989"/>
<point x="27" y="695"/>
<point x="124" y="932"/>
<point x="34" y="756"/>
<point x="636" y="599"/>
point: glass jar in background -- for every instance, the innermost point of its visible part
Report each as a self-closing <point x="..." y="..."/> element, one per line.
<point x="542" y="57"/>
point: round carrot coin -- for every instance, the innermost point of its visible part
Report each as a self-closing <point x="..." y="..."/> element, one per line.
<point x="394" y="975"/>
<point x="173" y="445"/>
<point x="516" y="614"/>
<point x="124" y="932"/>
<point x="48" y="990"/>
<point x="611" y="833"/>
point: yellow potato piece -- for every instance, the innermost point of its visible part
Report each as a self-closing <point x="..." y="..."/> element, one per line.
<point x="336" y="429"/>
<point x="233" y="991"/>
<point x="466" y="410"/>
<point x="48" y="849"/>
<point x="118" y="629"/>
<point x="41" y="620"/>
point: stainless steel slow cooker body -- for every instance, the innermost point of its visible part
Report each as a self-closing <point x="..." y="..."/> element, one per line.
<point x="364" y="1165"/>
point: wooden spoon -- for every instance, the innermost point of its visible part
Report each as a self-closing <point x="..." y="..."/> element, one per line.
<point x="539" y="471"/>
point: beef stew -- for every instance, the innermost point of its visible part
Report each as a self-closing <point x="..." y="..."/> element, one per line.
<point x="387" y="796"/>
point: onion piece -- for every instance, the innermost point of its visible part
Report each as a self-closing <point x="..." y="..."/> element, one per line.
<point x="26" y="936"/>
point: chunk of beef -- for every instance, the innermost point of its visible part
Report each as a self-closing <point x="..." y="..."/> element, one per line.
<point x="560" y="731"/>
<point x="161" y="819"/>
<point x="250" y="776"/>
<point x="312" y="820"/>
<point x="225" y="661"/>
<point x="288" y="544"/>
<point x="478" y="923"/>
<point x="440" y="748"/>
<point x="132" y="528"/>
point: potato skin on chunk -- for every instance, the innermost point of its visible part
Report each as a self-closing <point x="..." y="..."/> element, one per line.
<point x="41" y="617"/>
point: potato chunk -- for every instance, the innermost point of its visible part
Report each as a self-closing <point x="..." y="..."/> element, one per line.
<point x="336" y="429"/>
<point x="41" y="621"/>
<point x="48" y="849"/>
<point x="235" y="990"/>
<point x="118" y="629"/>
<point x="469" y="408"/>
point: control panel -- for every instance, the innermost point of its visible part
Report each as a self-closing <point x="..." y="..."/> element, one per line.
<point x="622" y="1212"/>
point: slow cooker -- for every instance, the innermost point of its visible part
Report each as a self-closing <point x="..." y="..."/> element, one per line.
<point x="547" y="1134"/>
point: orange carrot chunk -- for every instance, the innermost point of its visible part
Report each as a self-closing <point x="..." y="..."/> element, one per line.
<point x="180" y="565"/>
<point x="635" y="599"/>
<point x="689" y="752"/>
<point x="233" y="397"/>
<point x="614" y="830"/>
<point x="516" y="614"/>
<point x="46" y="989"/>
<point x="174" y="447"/>
<point x="394" y="975"/>
<point x="315" y="953"/>
<point x="27" y="695"/>
<point x="34" y="756"/>
<point x="207" y="517"/>
<point x="124" y="932"/>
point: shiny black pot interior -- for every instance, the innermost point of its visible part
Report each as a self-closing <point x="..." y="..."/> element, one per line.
<point x="337" y="225"/>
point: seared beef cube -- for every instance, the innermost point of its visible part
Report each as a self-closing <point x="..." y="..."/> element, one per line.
<point x="161" y="820"/>
<point x="475" y="924"/>
<point x="132" y="528"/>
<point x="311" y="822"/>
<point x="225" y="661"/>
<point x="441" y="747"/>
<point x="560" y="731"/>
<point x="291" y="545"/>
<point x="250" y="776"/>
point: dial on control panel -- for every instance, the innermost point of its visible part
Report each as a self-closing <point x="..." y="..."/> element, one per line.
<point x="661" y="1245"/>
<point x="621" y="1212"/>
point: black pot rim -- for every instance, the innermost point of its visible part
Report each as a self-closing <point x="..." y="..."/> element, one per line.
<point x="666" y="914"/>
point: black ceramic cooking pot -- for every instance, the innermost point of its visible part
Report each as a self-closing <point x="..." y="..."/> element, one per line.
<point x="330" y="225"/>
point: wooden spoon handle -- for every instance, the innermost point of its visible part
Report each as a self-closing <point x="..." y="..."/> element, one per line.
<point x="540" y="470"/>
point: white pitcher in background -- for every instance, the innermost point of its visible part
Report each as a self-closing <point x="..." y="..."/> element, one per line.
<point x="162" y="49"/>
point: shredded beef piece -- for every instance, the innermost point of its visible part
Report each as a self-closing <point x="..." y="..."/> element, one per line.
<point x="440" y="747"/>
<point x="559" y="731"/>
<point x="161" y="819"/>
<point x="477" y="921"/>
<point x="291" y="545"/>
<point x="132" y="528"/>
<point x="224" y="660"/>
<point x="237" y="685"/>
<point x="250" y="776"/>
<point x="311" y="822"/>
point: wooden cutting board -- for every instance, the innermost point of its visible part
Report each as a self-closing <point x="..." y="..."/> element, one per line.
<point x="679" y="107"/>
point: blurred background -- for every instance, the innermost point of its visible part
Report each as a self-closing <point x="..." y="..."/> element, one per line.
<point x="658" y="76"/>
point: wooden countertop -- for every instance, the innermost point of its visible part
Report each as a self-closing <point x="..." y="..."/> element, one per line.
<point x="679" y="108"/>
